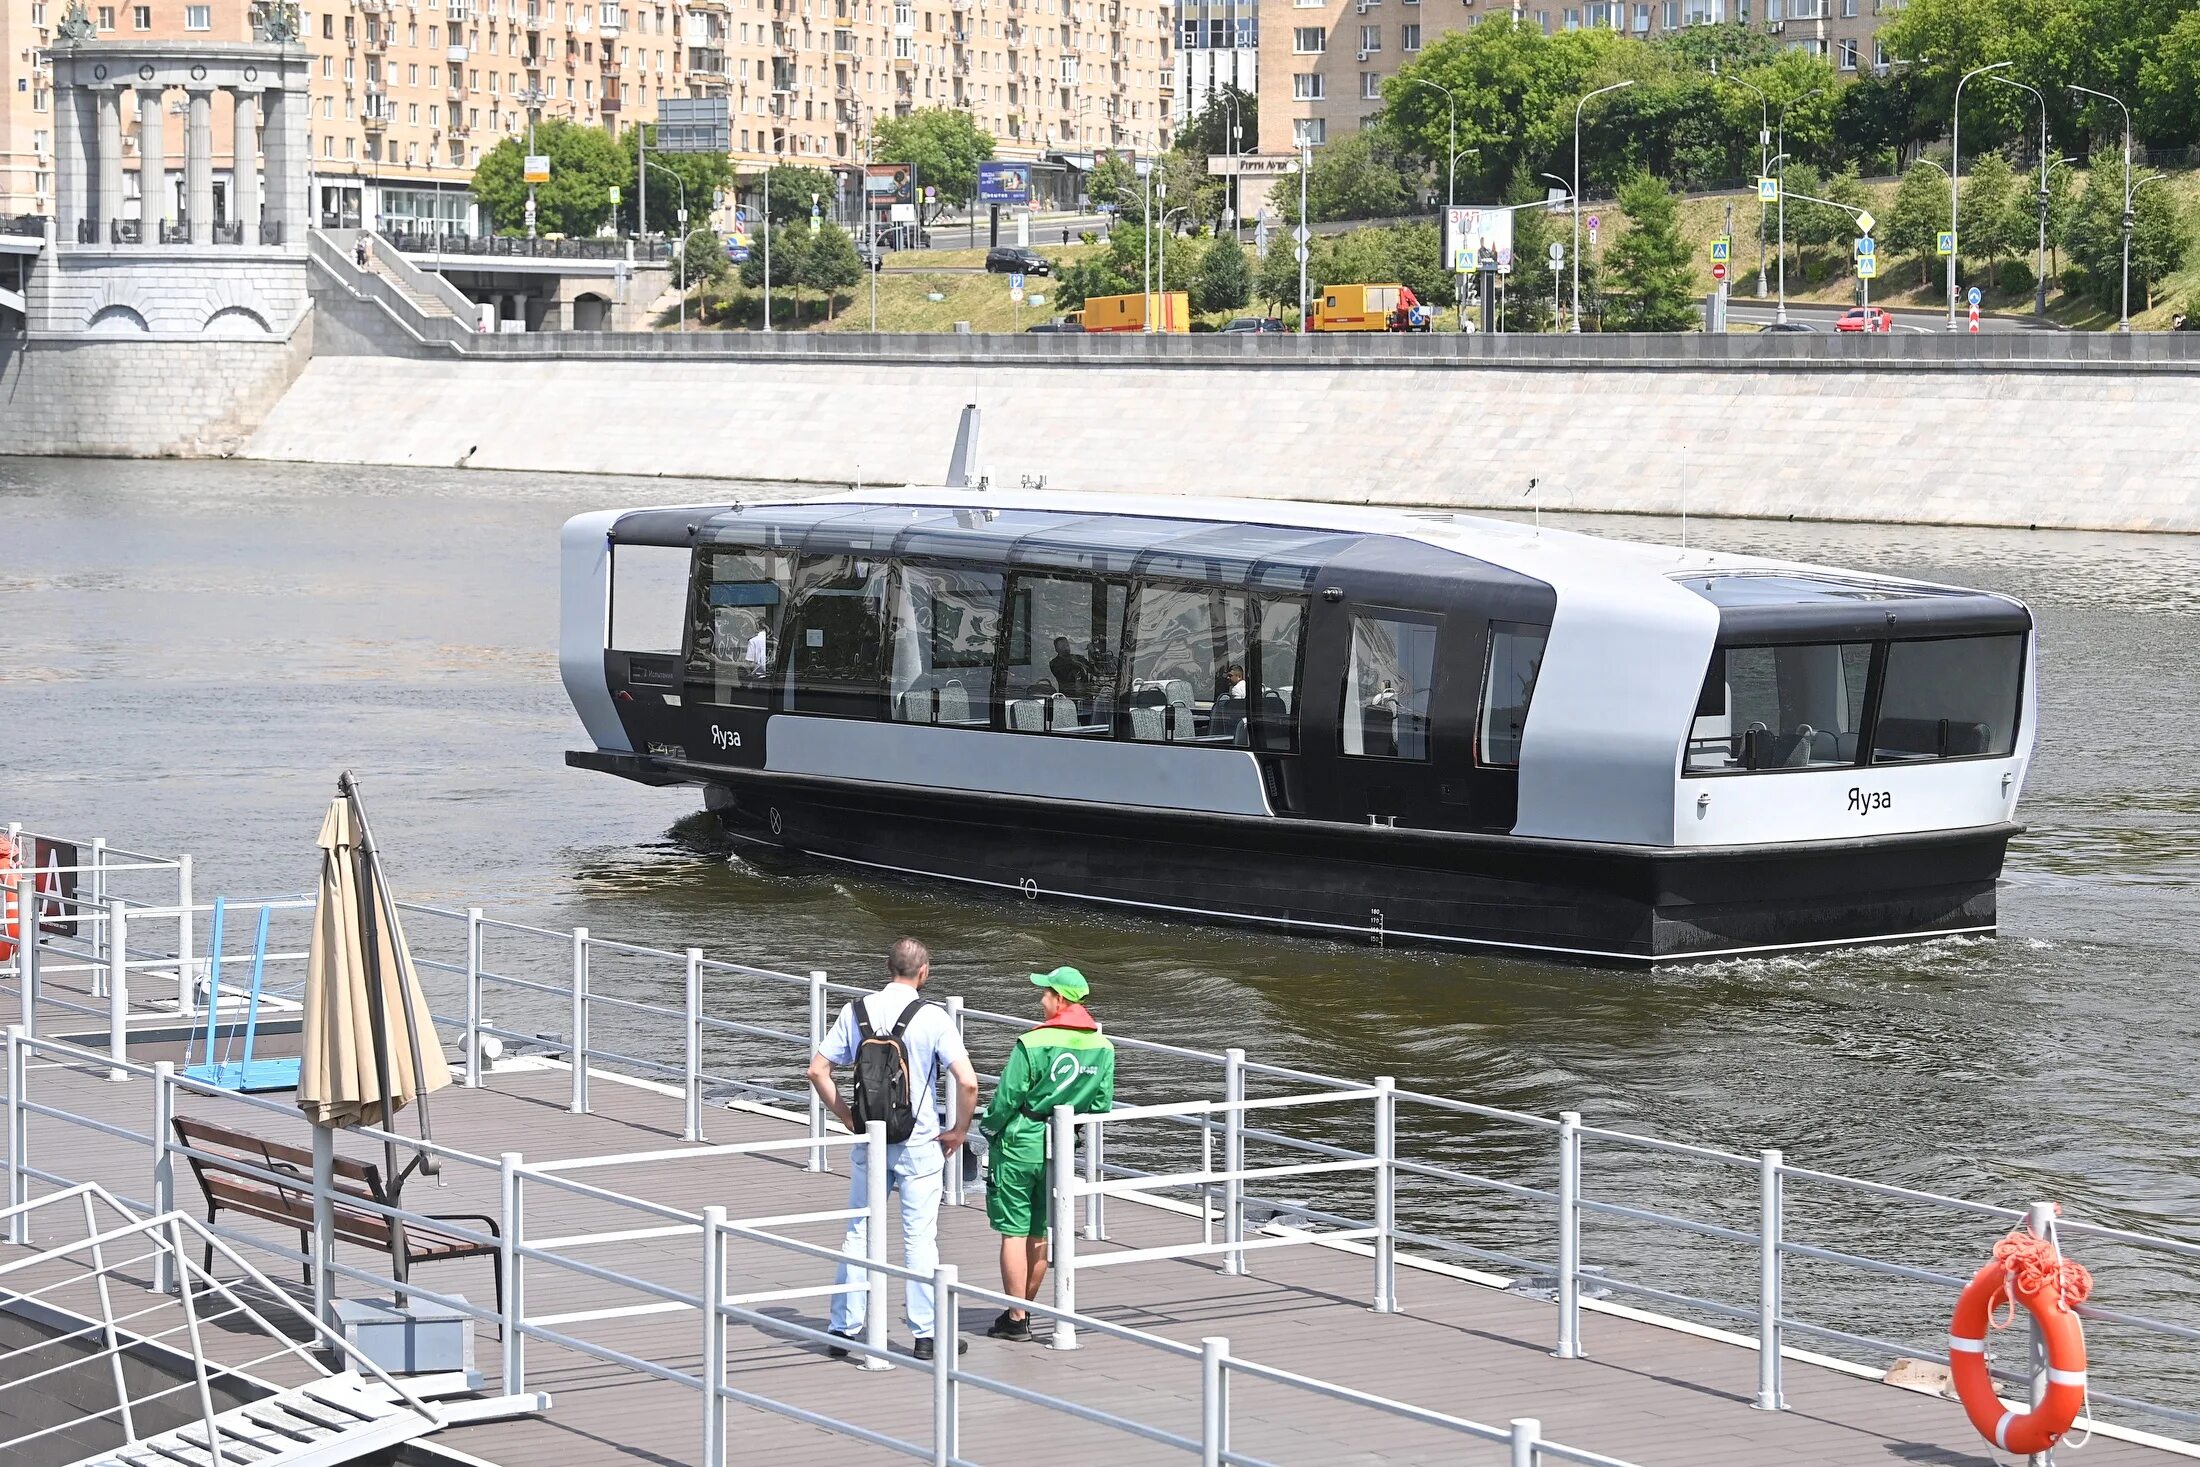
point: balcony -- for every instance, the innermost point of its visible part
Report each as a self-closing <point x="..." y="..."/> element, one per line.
<point x="375" y="119"/>
<point x="536" y="20"/>
<point x="454" y="91"/>
<point x="456" y="55"/>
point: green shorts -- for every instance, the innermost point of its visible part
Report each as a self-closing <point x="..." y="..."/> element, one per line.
<point x="1016" y="1198"/>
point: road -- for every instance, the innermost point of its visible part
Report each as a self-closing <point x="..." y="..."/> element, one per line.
<point x="1751" y="312"/>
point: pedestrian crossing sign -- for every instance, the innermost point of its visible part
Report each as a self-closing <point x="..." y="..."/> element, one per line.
<point x="1947" y="242"/>
<point x="1768" y="190"/>
<point x="1722" y="250"/>
<point x="1867" y="267"/>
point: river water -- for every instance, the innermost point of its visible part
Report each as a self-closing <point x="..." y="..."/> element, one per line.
<point x="190" y="651"/>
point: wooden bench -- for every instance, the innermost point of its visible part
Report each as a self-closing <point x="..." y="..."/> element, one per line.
<point x="229" y="1164"/>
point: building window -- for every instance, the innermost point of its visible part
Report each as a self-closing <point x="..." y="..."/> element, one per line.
<point x="1306" y="86"/>
<point x="1309" y="40"/>
<point x="1387" y="688"/>
<point x="1309" y="131"/>
<point x="1371" y="86"/>
<point x="106" y="17"/>
<point x="1848" y="55"/>
<point x="1371" y="38"/>
<point x="1642" y="20"/>
<point x="1409" y="38"/>
<point x="141" y="17"/>
<point x="1508" y="683"/>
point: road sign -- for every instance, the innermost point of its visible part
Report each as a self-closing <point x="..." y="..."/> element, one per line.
<point x="614" y="196"/>
<point x="1593" y="221"/>
<point x="1301" y="234"/>
<point x="1973" y="296"/>
<point x="1300" y="253"/>
<point x="1768" y="190"/>
<point x="1867" y="267"/>
<point x="1864" y="221"/>
<point x="1718" y="272"/>
<point x="1557" y="253"/>
<point x="1974" y="320"/>
<point x="691" y="125"/>
<point x="1945" y="242"/>
<point x="535" y="168"/>
<point x="1016" y="294"/>
<point x="1866" y="245"/>
<point x="1722" y="250"/>
<point x="1016" y="280"/>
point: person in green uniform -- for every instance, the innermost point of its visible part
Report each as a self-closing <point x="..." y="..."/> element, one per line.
<point x="1065" y="1061"/>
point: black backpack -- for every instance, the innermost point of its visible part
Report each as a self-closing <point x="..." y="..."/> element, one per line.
<point x="885" y="1090"/>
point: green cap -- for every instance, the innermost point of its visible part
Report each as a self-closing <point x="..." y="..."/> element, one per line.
<point x="1066" y="981"/>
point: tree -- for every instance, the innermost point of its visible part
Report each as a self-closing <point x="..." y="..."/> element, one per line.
<point x="944" y="144"/>
<point x="2160" y="241"/>
<point x="1121" y="267"/>
<point x="792" y="188"/>
<point x="585" y="166"/>
<point x="1649" y="263"/>
<point x="1916" y="218"/>
<point x="829" y="263"/>
<point x="2168" y="108"/>
<point x="787" y="247"/>
<point x="1207" y="135"/>
<point x="1990" y="218"/>
<point x="1114" y="186"/>
<point x="1225" y="280"/>
<point x="700" y="175"/>
<point x="1528" y="289"/>
<point x="1359" y="176"/>
<point x="1276" y="281"/>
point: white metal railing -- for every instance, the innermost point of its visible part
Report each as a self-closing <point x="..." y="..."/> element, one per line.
<point x="717" y="1304"/>
<point x="545" y="988"/>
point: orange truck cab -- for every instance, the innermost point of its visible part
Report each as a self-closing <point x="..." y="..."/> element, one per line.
<point x="1173" y="312"/>
<point x="1359" y="307"/>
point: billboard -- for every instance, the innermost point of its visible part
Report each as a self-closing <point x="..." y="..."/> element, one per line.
<point x="889" y="183"/>
<point x="692" y="125"/>
<point x="1470" y="231"/>
<point x="1004" y="183"/>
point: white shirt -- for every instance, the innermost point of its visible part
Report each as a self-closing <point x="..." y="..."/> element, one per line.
<point x="756" y="655"/>
<point x="934" y="1048"/>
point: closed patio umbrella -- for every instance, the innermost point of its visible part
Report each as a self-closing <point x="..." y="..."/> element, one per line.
<point x="370" y="1044"/>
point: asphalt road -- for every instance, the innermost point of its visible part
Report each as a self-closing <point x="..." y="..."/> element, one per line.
<point x="1749" y="311"/>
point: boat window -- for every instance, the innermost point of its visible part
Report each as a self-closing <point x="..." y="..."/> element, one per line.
<point x="1282" y="641"/>
<point x="1792" y="707"/>
<point x="1516" y="656"/>
<point x="1188" y="674"/>
<point x="733" y="623"/>
<point x="1064" y="639"/>
<point x="835" y="638"/>
<point x="1949" y="698"/>
<point x="648" y="587"/>
<point x="944" y="627"/>
<point x="1387" y="687"/>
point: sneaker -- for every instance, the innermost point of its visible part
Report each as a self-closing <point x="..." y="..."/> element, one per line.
<point x="926" y="1350"/>
<point x="1008" y="1327"/>
<point x="840" y="1352"/>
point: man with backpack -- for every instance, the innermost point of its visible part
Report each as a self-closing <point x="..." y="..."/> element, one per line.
<point x="1066" y="1060"/>
<point x="896" y="1044"/>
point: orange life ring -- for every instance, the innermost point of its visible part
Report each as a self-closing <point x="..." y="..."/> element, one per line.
<point x="10" y="924"/>
<point x="2032" y="1271"/>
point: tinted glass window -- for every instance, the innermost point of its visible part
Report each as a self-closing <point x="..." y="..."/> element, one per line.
<point x="1282" y="643"/>
<point x="835" y="636"/>
<point x="1189" y="671"/>
<point x="1065" y="636"/>
<point x="1764" y="708"/>
<point x="1947" y="699"/>
<point x="1508" y="683"/>
<point x="1387" y="687"/>
<point x="945" y="624"/>
<point x="734" y="615"/>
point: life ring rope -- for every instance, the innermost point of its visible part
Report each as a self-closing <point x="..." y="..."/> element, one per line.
<point x="2029" y="1269"/>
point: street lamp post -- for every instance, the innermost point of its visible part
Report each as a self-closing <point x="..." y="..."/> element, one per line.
<point x="1161" y="255"/>
<point x="1306" y="162"/>
<point x="1237" y="136"/>
<point x="1955" y="170"/>
<point x="1451" y="107"/>
<point x="2039" y="297"/>
<point x="1764" y="134"/>
<point x="1585" y="101"/>
<point x="681" y="183"/>
<point x="1780" y="157"/>
<point x="1565" y="195"/>
<point x="2123" y="322"/>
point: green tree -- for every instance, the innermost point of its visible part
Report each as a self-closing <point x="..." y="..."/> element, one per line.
<point x="585" y="166"/>
<point x="1990" y="215"/>
<point x="1121" y="267"/>
<point x="1225" y="280"/>
<point x="830" y="263"/>
<point x="1276" y="281"/>
<point x="1916" y="218"/>
<point x="2168" y="109"/>
<point x="2161" y="242"/>
<point x="700" y="178"/>
<point x="946" y="146"/>
<point x="1528" y="289"/>
<point x="1847" y="190"/>
<point x="792" y="188"/>
<point x="788" y="247"/>
<point x="1207" y="134"/>
<point x="1649" y="263"/>
<point x="1114" y="186"/>
<point x="1359" y="176"/>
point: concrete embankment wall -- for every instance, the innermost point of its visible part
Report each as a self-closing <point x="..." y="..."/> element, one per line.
<point x="133" y="397"/>
<point x="2099" y="445"/>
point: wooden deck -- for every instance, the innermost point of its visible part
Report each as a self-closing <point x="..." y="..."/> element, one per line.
<point x="1649" y="1394"/>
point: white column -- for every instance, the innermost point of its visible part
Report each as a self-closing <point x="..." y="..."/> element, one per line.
<point x="198" y="166"/>
<point x="71" y="170"/>
<point x="152" y="166"/>
<point x="244" y="178"/>
<point x="110" y="162"/>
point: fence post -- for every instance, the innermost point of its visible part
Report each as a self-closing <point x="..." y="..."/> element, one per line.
<point x="818" y="1160"/>
<point x="714" y="1337"/>
<point x="1095" y="1220"/>
<point x="100" y="937"/>
<point x="164" y="1166"/>
<point x="1062" y="1185"/>
<point x="1233" y="1160"/>
<point x="187" y="996"/>
<point x="2039" y="1220"/>
<point x="1769" y="1303"/>
<point x="26" y="947"/>
<point x="514" y="1303"/>
<point x="579" y="1022"/>
<point x="1386" y="1195"/>
<point x="19" y="1182"/>
<point x="474" y="1061"/>
<point x="324" y="1224"/>
<point x="1214" y="1400"/>
<point x="1569" y="1236"/>
<point x="947" y="1104"/>
<point x="874" y="1246"/>
<point x="946" y="1345"/>
<point x="692" y="1046"/>
<point x="118" y="986"/>
<point x="1527" y="1435"/>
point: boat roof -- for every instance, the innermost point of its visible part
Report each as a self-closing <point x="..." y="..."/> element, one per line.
<point x="1282" y="545"/>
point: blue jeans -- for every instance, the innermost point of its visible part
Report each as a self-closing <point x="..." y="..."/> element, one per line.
<point x="918" y="1173"/>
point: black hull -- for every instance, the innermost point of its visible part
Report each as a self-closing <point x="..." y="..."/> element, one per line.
<point x="1574" y="900"/>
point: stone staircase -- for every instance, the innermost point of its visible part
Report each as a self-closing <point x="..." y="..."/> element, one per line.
<point x="427" y="302"/>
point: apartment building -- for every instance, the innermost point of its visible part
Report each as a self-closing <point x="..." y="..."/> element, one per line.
<point x="26" y="110"/>
<point x="1218" y="45"/>
<point x="1323" y="62"/>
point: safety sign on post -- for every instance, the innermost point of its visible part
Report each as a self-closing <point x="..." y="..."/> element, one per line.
<point x="1557" y="253"/>
<point x="1722" y="250"/>
<point x="1974" y="297"/>
<point x="1718" y="272"/>
<point x="1867" y="267"/>
<point x="1768" y="190"/>
<point x="1864" y="221"/>
<point x="1946" y="243"/>
<point x="1016" y="281"/>
<point x="1974" y="320"/>
<point x="1594" y="224"/>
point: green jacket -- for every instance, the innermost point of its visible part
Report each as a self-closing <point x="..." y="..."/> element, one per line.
<point x="1057" y="1064"/>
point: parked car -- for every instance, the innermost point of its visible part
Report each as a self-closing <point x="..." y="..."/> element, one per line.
<point x="1059" y="323"/>
<point x="1016" y="260"/>
<point x="1263" y="324"/>
<point x="1864" y="318"/>
<point x="1790" y="326"/>
<point x="872" y="259"/>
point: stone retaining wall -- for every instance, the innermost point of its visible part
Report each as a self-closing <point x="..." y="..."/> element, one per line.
<point x="141" y="398"/>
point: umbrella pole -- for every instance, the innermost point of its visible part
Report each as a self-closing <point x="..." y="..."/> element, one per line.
<point x="374" y="883"/>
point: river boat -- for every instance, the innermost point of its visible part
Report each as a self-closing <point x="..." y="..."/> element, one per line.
<point x="1371" y="724"/>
